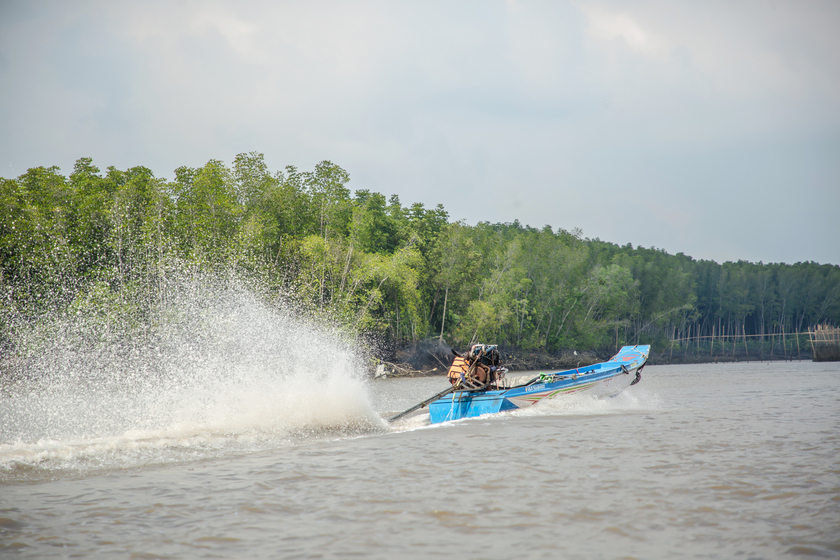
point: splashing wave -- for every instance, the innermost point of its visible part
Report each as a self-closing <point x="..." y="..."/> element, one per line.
<point x="220" y="372"/>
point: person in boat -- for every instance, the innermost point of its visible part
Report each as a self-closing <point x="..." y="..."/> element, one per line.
<point x="458" y="370"/>
<point x="479" y="368"/>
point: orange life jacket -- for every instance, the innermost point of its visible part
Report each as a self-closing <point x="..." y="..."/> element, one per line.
<point x="459" y="366"/>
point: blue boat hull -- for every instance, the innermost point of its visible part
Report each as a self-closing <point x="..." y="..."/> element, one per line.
<point x="607" y="379"/>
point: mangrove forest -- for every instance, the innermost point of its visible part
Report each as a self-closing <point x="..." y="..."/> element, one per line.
<point x="393" y="275"/>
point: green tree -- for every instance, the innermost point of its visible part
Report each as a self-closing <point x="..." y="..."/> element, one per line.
<point x="208" y="211"/>
<point x="458" y="266"/>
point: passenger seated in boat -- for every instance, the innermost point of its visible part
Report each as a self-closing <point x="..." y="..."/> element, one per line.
<point x="488" y="358"/>
<point x="477" y="369"/>
<point x="458" y="370"/>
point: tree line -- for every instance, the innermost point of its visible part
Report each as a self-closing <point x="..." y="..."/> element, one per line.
<point x="104" y="242"/>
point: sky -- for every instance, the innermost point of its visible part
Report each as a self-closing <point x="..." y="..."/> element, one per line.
<point x="710" y="128"/>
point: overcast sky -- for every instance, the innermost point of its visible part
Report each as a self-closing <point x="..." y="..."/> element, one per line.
<point x="708" y="128"/>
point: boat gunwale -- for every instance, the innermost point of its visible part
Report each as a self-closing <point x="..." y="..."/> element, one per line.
<point x="564" y="380"/>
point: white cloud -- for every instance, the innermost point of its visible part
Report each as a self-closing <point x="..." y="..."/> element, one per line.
<point x="608" y="25"/>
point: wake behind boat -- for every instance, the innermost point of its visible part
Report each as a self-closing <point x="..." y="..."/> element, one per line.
<point x="480" y="386"/>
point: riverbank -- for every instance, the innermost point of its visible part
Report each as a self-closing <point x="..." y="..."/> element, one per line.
<point x="429" y="359"/>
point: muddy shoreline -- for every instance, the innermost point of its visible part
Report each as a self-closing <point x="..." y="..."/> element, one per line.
<point x="423" y="360"/>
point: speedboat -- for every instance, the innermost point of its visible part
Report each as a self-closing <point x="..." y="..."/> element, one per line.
<point x="603" y="379"/>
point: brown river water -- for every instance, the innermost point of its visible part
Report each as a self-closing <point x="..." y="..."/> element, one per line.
<point x="696" y="461"/>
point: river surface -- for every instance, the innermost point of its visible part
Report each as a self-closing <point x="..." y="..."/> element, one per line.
<point x="696" y="461"/>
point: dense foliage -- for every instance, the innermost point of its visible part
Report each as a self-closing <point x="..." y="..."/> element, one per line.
<point x="105" y="241"/>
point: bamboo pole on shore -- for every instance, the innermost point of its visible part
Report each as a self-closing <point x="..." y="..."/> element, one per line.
<point x="734" y="347"/>
<point x="798" y="351"/>
<point x="744" y="333"/>
<point x="825" y="343"/>
<point x="734" y="336"/>
<point x="822" y="336"/>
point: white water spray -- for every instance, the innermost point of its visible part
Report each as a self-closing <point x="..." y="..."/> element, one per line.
<point x="218" y="371"/>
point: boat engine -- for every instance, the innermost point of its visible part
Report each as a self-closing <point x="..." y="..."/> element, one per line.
<point x="478" y="369"/>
